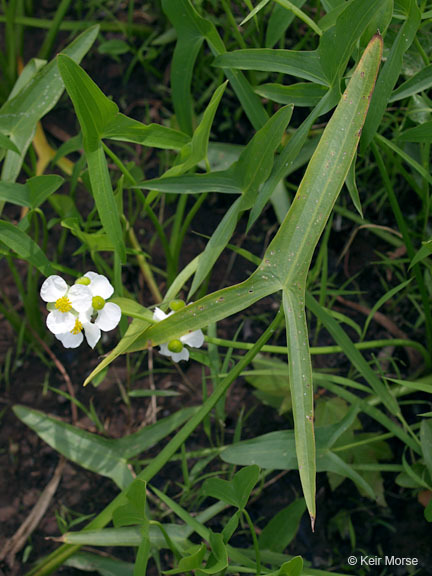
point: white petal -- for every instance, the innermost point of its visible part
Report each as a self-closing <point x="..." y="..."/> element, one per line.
<point x="59" y="322"/>
<point x="80" y="297"/>
<point x="108" y="317"/>
<point x="99" y="285"/>
<point x="176" y="356"/>
<point x="159" y="315"/>
<point x="194" y="339"/>
<point x="70" y="340"/>
<point x="53" y="288"/>
<point x="92" y="334"/>
<point x="183" y="355"/>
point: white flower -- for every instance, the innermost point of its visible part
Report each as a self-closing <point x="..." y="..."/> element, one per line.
<point x="64" y="303"/>
<point x="73" y="309"/>
<point x="74" y="337"/>
<point x="175" y="348"/>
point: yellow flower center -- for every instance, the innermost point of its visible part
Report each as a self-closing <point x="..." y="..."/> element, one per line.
<point x="77" y="328"/>
<point x="98" y="302"/>
<point x="63" y="304"/>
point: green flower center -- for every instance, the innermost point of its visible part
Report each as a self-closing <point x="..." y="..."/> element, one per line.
<point x="77" y="328"/>
<point x="175" y="346"/>
<point x="83" y="280"/>
<point x="63" y="304"/>
<point x="98" y="302"/>
<point x="176" y="305"/>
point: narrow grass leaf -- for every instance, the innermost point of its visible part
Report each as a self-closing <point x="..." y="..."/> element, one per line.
<point x="279" y="22"/>
<point x="105" y="566"/>
<point x="254" y="12"/>
<point x="422" y="133"/>
<point x="191" y="30"/>
<point x="338" y="42"/>
<point x="300" y="14"/>
<point x="391" y="70"/>
<point x="354" y="355"/>
<point x="25" y="247"/>
<point x="195" y="151"/>
<point x="420" y="82"/>
<point x="94" y="110"/>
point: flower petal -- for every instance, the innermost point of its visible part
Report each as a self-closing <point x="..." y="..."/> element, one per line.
<point x="159" y="315"/>
<point x="99" y="285"/>
<point x="59" y="322"/>
<point x="176" y="356"/>
<point x="80" y="297"/>
<point x="70" y="340"/>
<point x="194" y="339"/>
<point x="92" y="334"/>
<point x="108" y="317"/>
<point x="53" y="288"/>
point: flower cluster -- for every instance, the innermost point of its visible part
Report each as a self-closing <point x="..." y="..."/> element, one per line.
<point x="80" y="308"/>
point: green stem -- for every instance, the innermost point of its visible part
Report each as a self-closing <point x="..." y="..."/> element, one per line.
<point x="255" y="542"/>
<point x="326" y="349"/>
<point x="65" y="551"/>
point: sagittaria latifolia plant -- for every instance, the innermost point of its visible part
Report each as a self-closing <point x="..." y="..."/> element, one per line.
<point x="349" y="31"/>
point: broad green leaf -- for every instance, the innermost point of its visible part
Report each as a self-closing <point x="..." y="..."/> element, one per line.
<point x="191" y="30"/>
<point x="131" y="308"/>
<point x="218" y="560"/>
<point x="132" y="513"/>
<point x="277" y="451"/>
<point x="88" y="450"/>
<point x="422" y="133"/>
<point x="31" y="194"/>
<point x="191" y="562"/>
<point x="282" y="528"/>
<point x="300" y="94"/>
<point x="417" y="83"/>
<point x="288" y="257"/>
<point x="125" y="129"/>
<point x="105" y="566"/>
<point x="26" y="248"/>
<point x="293" y="567"/>
<point x="301" y="64"/>
<point x="390" y="71"/>
<point x="19" y="116"/>
<point x="351" y="184"/>
<point x="235" y="492"/>
<point x="94" y="110"/>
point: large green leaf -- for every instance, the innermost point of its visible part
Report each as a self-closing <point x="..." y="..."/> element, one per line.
<point x="235" y="492"/>
<point x="19" y="116"/>
<point x="288" y="257"/>
<point x="31" y="194"/>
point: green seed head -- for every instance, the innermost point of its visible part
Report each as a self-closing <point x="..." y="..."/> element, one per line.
<point x="98" y="302"/>
<point x="175" y="346"/>
<point x="83" y="280"/>
<point x="176" y="305"/>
